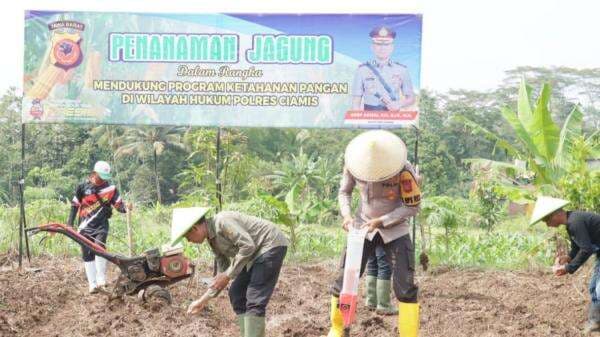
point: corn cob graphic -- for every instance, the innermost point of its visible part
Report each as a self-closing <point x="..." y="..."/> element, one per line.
<point x="92" y="69"/>
<point x="45" y="81"/>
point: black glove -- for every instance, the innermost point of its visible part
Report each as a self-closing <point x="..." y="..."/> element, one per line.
<point x="72" y="216"/>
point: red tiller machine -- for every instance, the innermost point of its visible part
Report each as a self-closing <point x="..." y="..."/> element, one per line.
<point x="146" y="275"/>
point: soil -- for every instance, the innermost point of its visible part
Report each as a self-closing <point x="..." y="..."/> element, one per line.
<point x="53" y="301"/>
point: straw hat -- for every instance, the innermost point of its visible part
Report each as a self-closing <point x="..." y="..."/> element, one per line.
<point x="375" y="155"/>
<point x="183" y="220"/>
<point x="545" y="206"/>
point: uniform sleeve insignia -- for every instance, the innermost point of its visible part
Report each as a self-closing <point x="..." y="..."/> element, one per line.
<point x="409" y="189"/>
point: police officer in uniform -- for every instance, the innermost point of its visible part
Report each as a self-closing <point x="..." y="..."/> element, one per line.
<point x="382" y="84"/>
<point x="375" y="162"/>
<point x="249" y="253"/>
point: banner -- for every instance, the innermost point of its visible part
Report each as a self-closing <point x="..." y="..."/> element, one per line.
<point x="245" y="70"/>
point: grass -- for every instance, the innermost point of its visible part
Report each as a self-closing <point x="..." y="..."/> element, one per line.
<point x="511" y="245"/>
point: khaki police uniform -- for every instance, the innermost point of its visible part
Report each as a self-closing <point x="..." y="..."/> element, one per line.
<point x="250" y="251"/>
<point x="384" y="200"/>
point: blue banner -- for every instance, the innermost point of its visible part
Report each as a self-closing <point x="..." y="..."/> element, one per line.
<point x="246" y="70"/>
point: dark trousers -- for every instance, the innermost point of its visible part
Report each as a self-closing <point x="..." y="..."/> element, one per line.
<point x="251" y="291"/>
<point x="97" y="235"/>
<point x="400" y="255"/>
<point x="378" y="266"/>
<point x="367" y="107"/>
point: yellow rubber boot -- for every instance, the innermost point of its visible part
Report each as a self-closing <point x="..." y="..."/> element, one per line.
<point x="337" y="322"/>
<point x="408" y="319"/>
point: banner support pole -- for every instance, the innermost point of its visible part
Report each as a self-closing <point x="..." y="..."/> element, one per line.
<point x="219" y="186"/>
<point x="416" y="162"/>
<point x="22" y="220"/>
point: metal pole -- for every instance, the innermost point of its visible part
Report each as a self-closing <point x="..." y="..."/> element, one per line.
<point x="22" y="220"/>
<point x="218" y="172"/>
<point x="416" y="161"/>
<point x="218" y="186"/>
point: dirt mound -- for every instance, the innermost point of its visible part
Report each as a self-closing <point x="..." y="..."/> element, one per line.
<point x="54" y="302"/>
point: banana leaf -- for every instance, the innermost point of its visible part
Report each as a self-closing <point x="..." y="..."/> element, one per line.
<point x="543" y="130"/>
<point x="571" y="129"/>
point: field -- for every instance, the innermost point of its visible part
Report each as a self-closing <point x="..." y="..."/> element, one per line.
<point x="53" y="301"/>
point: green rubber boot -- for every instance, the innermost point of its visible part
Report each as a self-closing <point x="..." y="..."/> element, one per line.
<point x="384" y="305"/>
<point x="254" y="326"/>
<point x="241" y="324"/>
<point x="371" y="298"/>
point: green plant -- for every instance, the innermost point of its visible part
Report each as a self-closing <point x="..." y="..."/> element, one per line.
<point x="484" y="193"/>
<point x="581" y="184"/>
<point x="285" y="216"/>
<point x="440" y="212"/>
<point x="145" y="141"/>
<point x="547" y="150"/>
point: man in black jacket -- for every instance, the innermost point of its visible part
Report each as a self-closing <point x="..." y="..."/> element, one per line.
<point x="584" y="232"/>
<point x="93" y="203"/>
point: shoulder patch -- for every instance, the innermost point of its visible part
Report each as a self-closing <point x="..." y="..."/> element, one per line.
<point x="227" y="232"/>
<point x="409" y="189"/>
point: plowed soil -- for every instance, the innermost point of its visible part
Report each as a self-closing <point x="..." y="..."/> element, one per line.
<point x="53" y="301"/>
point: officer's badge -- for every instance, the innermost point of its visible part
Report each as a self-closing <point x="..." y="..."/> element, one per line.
<point x="409" y="189"/>
<point x="383" y="32"/>
<point x="391" y="195"/>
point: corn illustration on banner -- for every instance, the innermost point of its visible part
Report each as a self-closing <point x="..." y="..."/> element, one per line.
<point x="246" y="70"/>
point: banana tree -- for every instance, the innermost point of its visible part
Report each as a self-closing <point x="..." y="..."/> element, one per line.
<point x="541" y="144"/>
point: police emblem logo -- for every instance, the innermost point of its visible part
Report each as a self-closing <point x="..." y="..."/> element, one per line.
<point x="383" y="32"/>
<point x="66" y="52"/>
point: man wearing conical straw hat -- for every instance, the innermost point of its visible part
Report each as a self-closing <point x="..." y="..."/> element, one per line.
<point x="249" y="252"/>
<point x="584" y="232"/>
<point x="375" y="163"/>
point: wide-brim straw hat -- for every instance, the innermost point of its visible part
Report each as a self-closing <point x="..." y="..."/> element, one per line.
<point x="545" y="206"/>
<point x="375" y="155"/>
<point x="183" y="220"/>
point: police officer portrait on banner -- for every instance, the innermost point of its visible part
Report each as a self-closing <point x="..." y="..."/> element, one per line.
<point x="382" y="84"/>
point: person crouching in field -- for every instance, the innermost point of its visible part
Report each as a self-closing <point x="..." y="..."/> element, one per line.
<point x="584" y="232"/>
<point x="93" y="202"/>
<point x="249" y="250"/>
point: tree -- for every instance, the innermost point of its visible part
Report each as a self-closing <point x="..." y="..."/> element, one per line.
<point x="546" y="149"/>
<point x="150" y="141"/>
<point x="108" y="136"/>
<point x="10" y="108"/>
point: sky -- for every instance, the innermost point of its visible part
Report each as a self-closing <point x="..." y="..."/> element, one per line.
<point x="467" y="44"/>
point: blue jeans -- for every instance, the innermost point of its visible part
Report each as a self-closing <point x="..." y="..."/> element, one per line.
<point x="595" y="284"/>
<point x="377" y="265"/>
